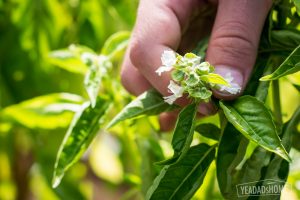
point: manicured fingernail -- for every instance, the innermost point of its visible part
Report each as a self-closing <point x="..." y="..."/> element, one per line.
<point x="234" y="77"/>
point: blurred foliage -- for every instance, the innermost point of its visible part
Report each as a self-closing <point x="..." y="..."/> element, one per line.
<point x="31" y="129"/>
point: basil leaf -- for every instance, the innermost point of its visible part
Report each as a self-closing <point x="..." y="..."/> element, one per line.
<point x="184" y="129"/>
<point x="295" y="132"/>
<point x="214" y="78"/>
<point x="231" y="152"/>
<point x="278" y="169"/>
<point x="233" y="146"/>
<point x="263" y="87"/>
<point x="255" y="122"/>
<point x="115" y="43"/>
<point x="80" y="134"/>
<point x="50" y="111"/>
<point x="209" y="130"/>
<point x="289" y="66"/>
<point x="291" y="128"/>
<point x="183" y="133"/>
<point x="182" y="180"/>
<point x="93" y="78"/>
<point x="70" y="59"/>
<point x="149" y="103"/>
<point x="285" y="40"/>
<point x="258" y="71"/>
<point x="297" y="87"/>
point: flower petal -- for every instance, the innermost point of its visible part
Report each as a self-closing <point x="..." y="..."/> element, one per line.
<point x="234" y="87"/>
<point x="162" y="69"/>
<point x="168" y="58"/>
<point x="170" y="99"/>
<point x="177" y="90"/>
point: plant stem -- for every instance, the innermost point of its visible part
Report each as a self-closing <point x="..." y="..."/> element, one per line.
<point x="276" y="102"/>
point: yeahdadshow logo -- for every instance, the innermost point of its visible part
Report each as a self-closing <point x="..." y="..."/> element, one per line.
<point x="261" y="188"/>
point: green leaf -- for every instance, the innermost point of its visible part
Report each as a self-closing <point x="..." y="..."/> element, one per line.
<point x="115" y="44"/>
<point x="297" y="87"/>
<point x="182" y="180"/>
<point x="44" y="112"/>
<point x="278" y="168"/>
<point x="289" y="66"/>
<point x="70" y="59"/>
<point x="284" y="41"/>
<point x="201" y="47"/>
<point x="258" y="71"/>
<point x="99" y="69"/>
<point x="209" y="130"/>
<point x="147" y="104"/>
<point x="177" y="75"/>
<point x="231" y="153"/>
<point x="291" y="128"/>
<point x="94" y="76"/>
<point x="80" y="134"/>
<point x="183" y="134"/>
<point x="297" y="4"/>
<point x="214" y="79"/>
<point x="184" y="130"/>
<point x="200" y="93"/>
<point x="233" y="146"/>
<point x="263" y="87"/>
<point x="255" y="122"/>
<point x="192" y="80"/>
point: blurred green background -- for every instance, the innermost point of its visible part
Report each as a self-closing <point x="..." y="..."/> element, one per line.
<point x="118" y="165"/>
<point x="29" y="30"/>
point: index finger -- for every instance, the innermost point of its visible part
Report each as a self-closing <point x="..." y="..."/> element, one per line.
<point x="158" y="28"/>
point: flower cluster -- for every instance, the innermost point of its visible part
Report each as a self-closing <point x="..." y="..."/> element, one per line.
<point x="193" y="77"/>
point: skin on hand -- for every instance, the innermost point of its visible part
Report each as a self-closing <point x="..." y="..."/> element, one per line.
<point x="178" y="25"/>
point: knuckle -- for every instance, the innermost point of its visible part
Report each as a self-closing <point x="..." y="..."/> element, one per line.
<point x="234" y="39"/>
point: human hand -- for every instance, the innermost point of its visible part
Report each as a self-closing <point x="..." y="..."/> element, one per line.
<point x="179" y="25"/>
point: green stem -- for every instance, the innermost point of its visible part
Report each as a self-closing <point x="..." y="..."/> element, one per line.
<point x="276" y="102"/>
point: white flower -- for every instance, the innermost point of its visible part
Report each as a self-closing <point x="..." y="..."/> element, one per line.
<point x="176" y="90"/>
<point x="234" y="88"/>
<point x="204" y="66"/>
<point x="170" y="99"/>
<point x="168" y="59"/>
<point x="193" y="61"/>
<point x="196" y="60"/>
<point x="88" y="58"/>
<point x="162" y="69"/>
<point x="104" y="63"/>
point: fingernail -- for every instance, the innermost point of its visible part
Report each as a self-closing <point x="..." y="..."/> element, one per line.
<point x="234" y="77"/>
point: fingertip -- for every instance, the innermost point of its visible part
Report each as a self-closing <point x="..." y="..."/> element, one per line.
<point x="167" y="121"/>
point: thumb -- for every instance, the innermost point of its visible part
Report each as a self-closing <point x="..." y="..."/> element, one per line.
<point x="234" y="41"/>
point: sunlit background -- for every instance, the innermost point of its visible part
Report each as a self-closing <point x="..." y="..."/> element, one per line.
<point x="114" y="167"/>
<point x="29" y="30"/>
